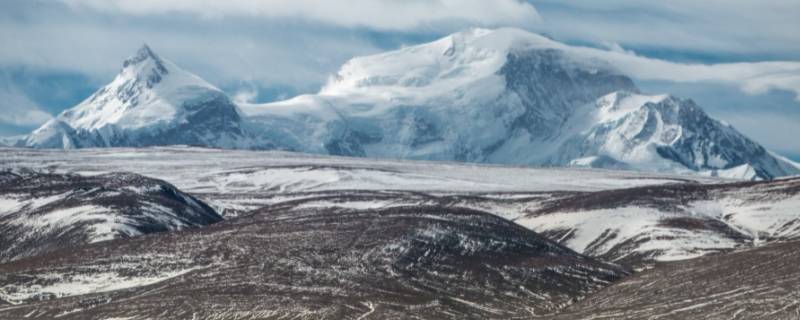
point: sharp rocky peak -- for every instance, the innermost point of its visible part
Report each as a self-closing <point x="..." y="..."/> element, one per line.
<point x="144" y="53"/>
<point x="146" y="66"/>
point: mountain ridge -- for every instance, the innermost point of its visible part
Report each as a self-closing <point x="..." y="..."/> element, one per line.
<point x="502" y="96"/>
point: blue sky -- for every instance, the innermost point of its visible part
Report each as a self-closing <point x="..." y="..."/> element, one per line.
<point x="56" y="53"/>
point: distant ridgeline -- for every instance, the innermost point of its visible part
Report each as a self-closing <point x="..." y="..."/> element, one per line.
<point x="493" y="96"/>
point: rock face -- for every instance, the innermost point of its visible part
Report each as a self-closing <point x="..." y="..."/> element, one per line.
<point x="493" y="96"/>
<point x="42" y="213"/>
<point x="430" y="262"/>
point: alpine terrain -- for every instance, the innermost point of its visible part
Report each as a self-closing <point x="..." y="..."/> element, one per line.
<point x="502" y="96"/>
<point x="490" y="174"/>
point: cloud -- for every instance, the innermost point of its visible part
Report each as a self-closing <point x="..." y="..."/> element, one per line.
<point x="299" y="56"/>
<point x="377" y="14"/>
<point x="737" y="29"/>
<point x="297" y="44"/>
<point x="18" y="110"/>
<point x="751" y="77"/>
<point x="245" y="95"/>
<point x="615" y="47"/>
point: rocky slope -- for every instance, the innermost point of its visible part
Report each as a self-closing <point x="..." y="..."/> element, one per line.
<point x="758" y="283"/>
<point x="46" y="212"/>
<point x="670" y="222"/>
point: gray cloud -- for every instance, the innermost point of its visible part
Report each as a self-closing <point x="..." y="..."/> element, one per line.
<point x="298" y="43"/>
<point x="377" y="14"/>
<point x="269" y="54"/>
<point x="16" y="109"/>
<point x="735" y="28"/>
<point x="247" y="46"/>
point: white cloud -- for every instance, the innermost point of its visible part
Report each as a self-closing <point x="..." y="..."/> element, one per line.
<point x="18" y="110"/>
<point x="750" y="77"/>
<point x="615" y="47"/>
<point x="378" y="14"/>
<point x="245" y="95"/>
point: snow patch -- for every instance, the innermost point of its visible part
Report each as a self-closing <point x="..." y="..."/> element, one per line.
<point x="65" y="285"/>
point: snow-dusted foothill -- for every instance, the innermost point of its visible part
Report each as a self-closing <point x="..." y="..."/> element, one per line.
<point x="313" y="264"/>
<point x="320" y="236"/>
<point x="632" y="217"/>
<point x="670" y="222"/>
<point x="42" y="213"/>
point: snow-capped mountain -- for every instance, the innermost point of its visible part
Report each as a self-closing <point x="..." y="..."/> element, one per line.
<point x="477" y="96"/>
<point x="494" y="96"/>
<point x="508" y="96"/>
<point x="663" y="133"/>
<point x="150" y="102"/>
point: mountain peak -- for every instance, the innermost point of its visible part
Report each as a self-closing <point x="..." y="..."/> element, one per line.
<point x="145" y="66"/>
<point x="149" y="93"/>
<point x="143" y="54"/>
<point x="454" y="60"/>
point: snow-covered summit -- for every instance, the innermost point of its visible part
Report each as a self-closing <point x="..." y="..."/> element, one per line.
<point x="665" y="133"/>
<point x="470" y="59"/>
<point x="151" y="101"/>
<point x="508" y="96"/>
<point x="449" y="62"/>
<point x="148" y="89"/>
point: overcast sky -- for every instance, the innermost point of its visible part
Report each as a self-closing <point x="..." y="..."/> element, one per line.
<point x="739" y="59"/>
